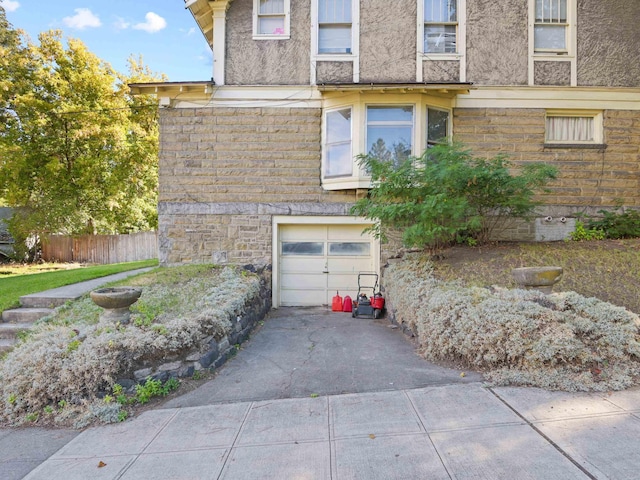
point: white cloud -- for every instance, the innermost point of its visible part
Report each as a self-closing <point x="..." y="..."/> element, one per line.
<point x="82" y="19"/>
<point x="9" y="5"/>
<point x="191" y="31"/>
<point x="154" y="23"/>
<point x="121" y="24"/>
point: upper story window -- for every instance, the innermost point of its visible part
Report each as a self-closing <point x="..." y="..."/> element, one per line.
<point x="271" y="19"/>
<point x="334" y="26"/>
<point x="389" y="133"/>
<point x="440" y="26"/>
<point x="551" y="26"/>
<point x="573" y="127"/>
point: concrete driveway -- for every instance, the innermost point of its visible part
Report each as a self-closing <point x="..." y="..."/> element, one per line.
<point x="303" y="352"/>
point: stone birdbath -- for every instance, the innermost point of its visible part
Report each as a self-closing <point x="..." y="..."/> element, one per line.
<point x="537" y="278"/>
<point x="116" y="302"/>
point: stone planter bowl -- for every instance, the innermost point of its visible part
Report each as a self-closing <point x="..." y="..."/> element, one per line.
<point x="116" y="302"/>
<point x="537" y="278"/>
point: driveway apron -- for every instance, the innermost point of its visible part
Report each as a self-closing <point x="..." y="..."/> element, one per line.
<point x="302" y="352"/>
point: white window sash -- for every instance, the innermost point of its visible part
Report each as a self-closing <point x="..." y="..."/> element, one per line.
<point x="271" y="19"/>
<point x="335" y="27"/>
<point x="440" y="27"/>
<point x="340" y="166"/>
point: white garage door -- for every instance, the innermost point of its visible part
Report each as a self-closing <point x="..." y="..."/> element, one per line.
<point x="315" y="261"/>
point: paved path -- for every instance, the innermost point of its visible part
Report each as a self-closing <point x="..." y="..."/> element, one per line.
<point x="310" y="397"/>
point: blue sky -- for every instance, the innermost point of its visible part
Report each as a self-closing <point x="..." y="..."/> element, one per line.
<point x="162" y="31"/>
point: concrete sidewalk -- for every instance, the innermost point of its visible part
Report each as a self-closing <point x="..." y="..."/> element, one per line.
<point x="442" y="432"/>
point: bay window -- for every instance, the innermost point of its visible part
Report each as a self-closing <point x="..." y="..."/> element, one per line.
<point x="334" y="26"/>
<point x="391" y="127"/>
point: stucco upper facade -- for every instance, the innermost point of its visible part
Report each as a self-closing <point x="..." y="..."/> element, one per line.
<point x="495" y="45"/>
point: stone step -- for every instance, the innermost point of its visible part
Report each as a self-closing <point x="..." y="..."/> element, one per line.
<point x="45" y="301"/>
<point x="10" y="330"/>
<point x="6" y="344"/>
<point x="21" y="315"/>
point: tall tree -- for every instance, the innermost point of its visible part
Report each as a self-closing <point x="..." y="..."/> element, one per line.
<point x="79" y="152"/>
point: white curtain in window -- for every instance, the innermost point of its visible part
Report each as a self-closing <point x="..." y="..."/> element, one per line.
<point x="570" y="129"/>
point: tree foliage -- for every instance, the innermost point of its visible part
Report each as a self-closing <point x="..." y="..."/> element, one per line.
<point x="79" y="153"/>
<point x="447" y="192"/>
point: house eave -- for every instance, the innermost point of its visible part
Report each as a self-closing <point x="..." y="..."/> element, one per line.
<point x="202" y="12"/>
<point x="446" y="89"/>
<point x="172" y="89"/>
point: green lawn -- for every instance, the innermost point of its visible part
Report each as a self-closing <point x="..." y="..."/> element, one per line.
<point x="12" y="288"/>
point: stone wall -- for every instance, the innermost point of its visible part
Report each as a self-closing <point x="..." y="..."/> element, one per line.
<point x="589" y="179"/>
<point x="224" y="172"/>
<point x="212" y="352"/>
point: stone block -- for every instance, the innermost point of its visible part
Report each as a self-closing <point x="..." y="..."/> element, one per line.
<point x="209" y="357"/>
<point x="142" y="374"/>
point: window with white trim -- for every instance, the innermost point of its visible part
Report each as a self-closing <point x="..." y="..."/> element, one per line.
<point x="551" y="26"/>
<point x="573" y="127"/>
<point x="389" y="134"/>
<point x="337" y="146"/>
<point x="392" y="127"/>
<point x="334" y="27"/>
<point x="440" y="26"/>
<point x="271" y="19"/>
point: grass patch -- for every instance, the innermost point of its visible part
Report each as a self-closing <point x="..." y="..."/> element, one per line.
<point x="13" y="287"/>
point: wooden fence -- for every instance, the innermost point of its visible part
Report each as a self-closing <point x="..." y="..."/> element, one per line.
<point x="100" y="249"/>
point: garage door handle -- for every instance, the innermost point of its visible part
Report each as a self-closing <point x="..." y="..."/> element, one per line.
<point x="326" y="268"/>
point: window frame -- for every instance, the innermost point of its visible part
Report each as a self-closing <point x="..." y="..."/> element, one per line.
<point x="598" y="127"/>
<point x="316" y="55"/>
<point x="335" y="24"/>
<point x="426" y="23"/>
<point x="272" y="36"/>
<point x="326" y="143"/>
<point x="553" y="23"/>
<point x="433" y="142"/>
<point x="389" y="123"/>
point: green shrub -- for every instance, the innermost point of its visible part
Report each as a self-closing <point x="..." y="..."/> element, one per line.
<point x="448" y="192"/>
<point x="618" y="225"/>
<point x="583" y="233"/>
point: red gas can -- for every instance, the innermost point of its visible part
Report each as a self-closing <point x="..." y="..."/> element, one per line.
<point x="336" y="305"/>
<point x="377" y="301"/>
<point x="347" y="304"/>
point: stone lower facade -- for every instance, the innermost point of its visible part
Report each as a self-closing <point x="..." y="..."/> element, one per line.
<point x="589" y="179"/>
<point x="225" y="172"/>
